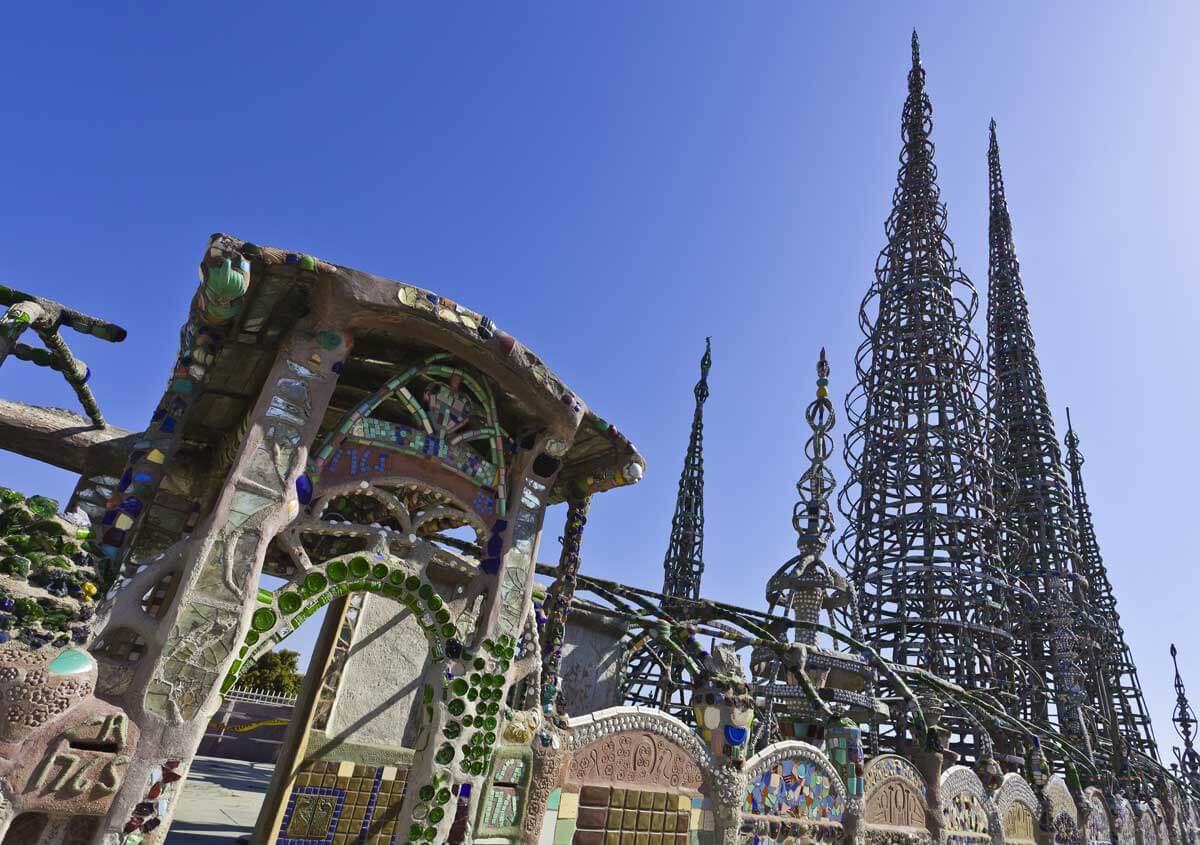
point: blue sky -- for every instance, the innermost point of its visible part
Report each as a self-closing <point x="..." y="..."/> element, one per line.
<point x="611" y="183"/>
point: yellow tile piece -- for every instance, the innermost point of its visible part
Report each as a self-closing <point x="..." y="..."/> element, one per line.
<point x="123" y="521"/>
<point x="389" y="773"/>
<point x="155" y="457"/>
<point x="683" y="802"/>
<point x="345" y="770"/>
<point x="568" y="805"/>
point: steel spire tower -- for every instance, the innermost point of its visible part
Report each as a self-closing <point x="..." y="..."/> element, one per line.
<point x="1185" y="720"/>
<point x="651" y="675"/>
<point x="920" y="543"/>
<point x="1031" y="487"/>
<point x="684" y="562"/>
<point x="1121" y="687"/>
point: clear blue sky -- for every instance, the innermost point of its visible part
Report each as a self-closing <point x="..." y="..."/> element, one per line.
<point x="612" y="182"/>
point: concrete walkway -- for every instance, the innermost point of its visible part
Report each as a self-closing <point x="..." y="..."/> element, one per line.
<point x="220" y="801"/>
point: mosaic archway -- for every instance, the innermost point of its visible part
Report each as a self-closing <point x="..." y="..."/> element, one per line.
<point x="1124" y="822"/>
<point x="793" y="794"/>
<point x="1017" y="808"/>
<point x="968" y="817"/>
<point x="895" y="800"/>
<point x="1061" y="811"/>
<point x="452" y="423"/>
<point x="279" y="613"/>
<point x="1099" y="825"/>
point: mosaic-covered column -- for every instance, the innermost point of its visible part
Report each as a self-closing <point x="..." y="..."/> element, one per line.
<point x="192" y="646"/>
<point x="558" y="600"/>
<point x="467" y="698"/>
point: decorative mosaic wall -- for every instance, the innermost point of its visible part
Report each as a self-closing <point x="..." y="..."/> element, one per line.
<point x="1018" y="809"/>
<point x="965" y="808"/>
<point x="895" y="795"/>
<point x="792" y="795"/>
<point x="1125" y="824"/>
<point x="1064" y="817"/>
<point x="339" y="803"/>
<point x="1099" y="832"/>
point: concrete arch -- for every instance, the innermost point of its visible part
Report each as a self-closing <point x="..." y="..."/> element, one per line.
<point x="1061" y="811"/>
<point x="968" y="815"/>
<point x="1147" y="832"/>
<point x="1124" y="822"/>
<point x="1099" y="824"/>
<point x="894" y="799"/>
<point x="601" y="750"/>
<point x="276" y="615"/>
<point x="1018" y="809"/>
<point x="767" y="795"/>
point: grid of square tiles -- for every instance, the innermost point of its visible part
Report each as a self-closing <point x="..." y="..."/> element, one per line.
<point x="368" y="808"/>
<point x="601" y="815"/>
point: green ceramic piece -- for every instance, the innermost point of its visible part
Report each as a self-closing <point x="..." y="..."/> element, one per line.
<point x="314" y="582"/>
<point x="412" y="582"/>
<point x="224" y="283"/>
<point x="290" y="602"/>
<point x="379" y="572"/>
<point x="263" y="619"/>
<point x="359" y="567"/>
<point x="72" y="662"/>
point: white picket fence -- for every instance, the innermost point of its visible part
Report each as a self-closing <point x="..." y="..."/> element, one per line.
<point x="259" y="696"/>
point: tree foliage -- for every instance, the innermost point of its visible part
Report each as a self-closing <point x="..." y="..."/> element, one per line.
<point x="275" y="672"/>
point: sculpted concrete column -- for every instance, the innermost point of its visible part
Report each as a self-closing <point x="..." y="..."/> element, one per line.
<point x="191" y="648"/>
<point x="454" y="761"/>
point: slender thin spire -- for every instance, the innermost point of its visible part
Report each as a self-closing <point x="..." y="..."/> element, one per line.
<point x="684" y="561"/>
<point x="919" y="543"/>
<point x="1031" y="487"/>
<point x="1122" y="687"/>
<point x="653" y="676"/>
<point x="1185" y="719"/>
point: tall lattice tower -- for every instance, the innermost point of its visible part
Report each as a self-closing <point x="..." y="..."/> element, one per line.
<point x="1117" y="685"/>
<point x="651" y="677"/>
<point x="684" y="562"/>
<point x="1031" y="489"/>
<point x="920" y="543"/>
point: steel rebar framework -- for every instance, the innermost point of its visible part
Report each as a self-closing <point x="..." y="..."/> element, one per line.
<point x="652" y="676"/>
<point x="1031" y="490"/>
<point x="920" y="543"/>
<point x="1187" y="759"/>
<point x="1116" y="668"/>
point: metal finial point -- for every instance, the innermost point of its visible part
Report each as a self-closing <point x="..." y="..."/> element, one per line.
<point x="1173" y="654"/>
<point x="992" y="134"/>
<point x="916" y="49"/>
<point x="822" y="366"/>
<point x="706" y="360"/>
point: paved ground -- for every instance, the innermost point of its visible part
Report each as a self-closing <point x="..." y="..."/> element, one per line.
<point x="219" y="802"/>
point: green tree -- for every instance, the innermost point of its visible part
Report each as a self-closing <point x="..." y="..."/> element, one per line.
<point x="275" y="671"/>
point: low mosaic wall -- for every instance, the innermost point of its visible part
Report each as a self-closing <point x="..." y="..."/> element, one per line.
<point x="630" y="777"/>
<point x="793" y="794"/>
<point x="1125" y="824"/>
<point x="1061" y="812"/>
<point x="1099" y="825"/>
<point x="968" y="816"/>
<point x="1018" y="810"/>
<point x="895" y="801"/>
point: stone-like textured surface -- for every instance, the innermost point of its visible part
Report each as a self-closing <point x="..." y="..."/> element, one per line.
<point x="388" y="644"/>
